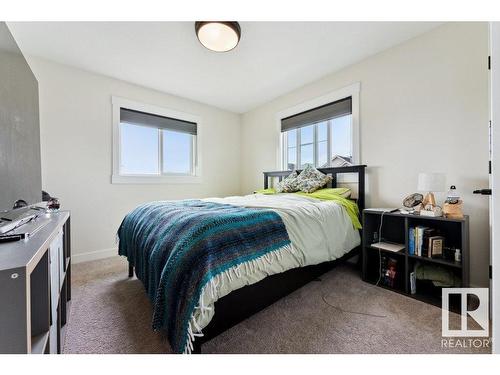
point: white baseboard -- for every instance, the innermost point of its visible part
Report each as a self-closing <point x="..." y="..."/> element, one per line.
<point x="94" y="255"/>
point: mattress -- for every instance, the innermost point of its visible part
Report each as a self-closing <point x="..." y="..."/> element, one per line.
<point x="319" y="231"/>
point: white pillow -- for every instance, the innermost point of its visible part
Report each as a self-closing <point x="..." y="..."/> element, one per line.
<point x="310" y="179"/>
<point x="288" y="184"/>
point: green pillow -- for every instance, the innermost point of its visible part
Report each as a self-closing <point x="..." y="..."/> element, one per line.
<point x="266" y="191"/>
<point x="324" y="194"/>
<point x="328" y="193"/>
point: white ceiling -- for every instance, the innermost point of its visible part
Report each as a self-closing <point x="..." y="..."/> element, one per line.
<point x="272" y="58"/>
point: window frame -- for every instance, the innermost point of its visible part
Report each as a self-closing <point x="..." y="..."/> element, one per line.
<point x="345" y="92"/>
<point x="171" y="178"/>
<point x="314" y="143"/>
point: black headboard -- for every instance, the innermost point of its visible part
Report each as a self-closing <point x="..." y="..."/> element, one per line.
<point x="334" y="172"/>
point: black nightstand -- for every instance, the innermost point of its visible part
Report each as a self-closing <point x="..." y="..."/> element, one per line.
<point x="395" y="229"/>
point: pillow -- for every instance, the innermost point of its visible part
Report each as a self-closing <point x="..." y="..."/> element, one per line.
<point x="343" y="192"/>
<point x="310" y="179"/>
<point x="329" y="193"/>
<point x="288" y="184"/>
<point x="323" y="194"/>
<point x="265" y="191"/>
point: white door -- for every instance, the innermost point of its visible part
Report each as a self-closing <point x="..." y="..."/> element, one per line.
<point x="495" y="181"/>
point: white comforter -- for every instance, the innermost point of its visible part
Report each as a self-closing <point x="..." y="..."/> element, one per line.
<point x="319" y="231"/>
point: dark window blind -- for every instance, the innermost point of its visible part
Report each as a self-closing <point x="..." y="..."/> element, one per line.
<point x="325" y="112"/>
<point x="147" y="119"/>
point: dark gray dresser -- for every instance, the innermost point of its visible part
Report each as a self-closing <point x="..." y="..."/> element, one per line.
<point x="35" y="288"/>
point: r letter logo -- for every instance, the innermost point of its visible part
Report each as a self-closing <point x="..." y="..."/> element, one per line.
<point x="479" y="313"/>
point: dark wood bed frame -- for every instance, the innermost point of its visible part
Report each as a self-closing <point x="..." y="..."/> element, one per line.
<point x="245" y="302"/>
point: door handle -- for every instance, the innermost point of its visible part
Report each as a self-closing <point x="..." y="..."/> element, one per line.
<point x="482" y="191"/>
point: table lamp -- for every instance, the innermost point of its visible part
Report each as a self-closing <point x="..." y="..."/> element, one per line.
<point x="430" y="183"/>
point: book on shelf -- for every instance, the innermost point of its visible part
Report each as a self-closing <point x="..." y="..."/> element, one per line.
<point x="425" y="242"/>
<point x="419" y="239"/>
<point x="389" y="271"/>
<point x="428" y="233"/>
<point x="436" y="245"/>
<point x="413" y="282"/>
<point x="417" y="231"/>
<point x="411" y="241"/>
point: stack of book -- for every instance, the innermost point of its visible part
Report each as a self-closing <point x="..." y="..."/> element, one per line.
<point x="425" y="242"/>
<point x="390" y="272"/>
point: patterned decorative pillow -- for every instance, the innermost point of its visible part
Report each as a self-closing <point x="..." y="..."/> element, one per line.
<point x="288" y="184"/>
<point x="310" y="179"/>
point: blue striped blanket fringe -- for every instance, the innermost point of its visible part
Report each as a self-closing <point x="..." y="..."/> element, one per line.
<point x="182" y="250"/>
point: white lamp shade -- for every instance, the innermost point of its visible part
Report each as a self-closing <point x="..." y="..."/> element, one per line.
<point x="431" y="182"/>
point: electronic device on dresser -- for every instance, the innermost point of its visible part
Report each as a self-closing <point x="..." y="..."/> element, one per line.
<point x="10" y="220"/>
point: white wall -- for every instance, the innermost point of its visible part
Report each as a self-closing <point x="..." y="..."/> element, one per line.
<point x="423" y="107"/>
<point x="76" y="141"/>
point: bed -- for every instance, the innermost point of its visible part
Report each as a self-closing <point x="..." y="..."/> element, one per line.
<point x="249" y="252"/>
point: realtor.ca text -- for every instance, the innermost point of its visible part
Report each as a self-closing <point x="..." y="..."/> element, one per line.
<point x="465" y="343"/>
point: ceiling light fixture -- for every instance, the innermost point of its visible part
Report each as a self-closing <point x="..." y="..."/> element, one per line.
<point x="218" y="36"/>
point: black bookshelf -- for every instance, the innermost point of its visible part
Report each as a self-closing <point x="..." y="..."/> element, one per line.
<point x="395" y="229"/>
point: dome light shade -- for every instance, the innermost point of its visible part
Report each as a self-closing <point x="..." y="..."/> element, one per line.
<point x="218" y="36"/>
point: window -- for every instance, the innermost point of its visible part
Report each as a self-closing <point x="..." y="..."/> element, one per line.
<point x="153" y="144"/>
<point x="138" y="149"/>
<point x="318" y="136"/>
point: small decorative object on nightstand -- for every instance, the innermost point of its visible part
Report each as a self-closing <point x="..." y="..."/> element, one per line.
<point x="430" y="183"/>
<point x="412" y="203"/>
<point x="452" y="207"/>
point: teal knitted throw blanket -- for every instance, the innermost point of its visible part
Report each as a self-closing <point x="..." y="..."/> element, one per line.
<point x="177" y="247"/>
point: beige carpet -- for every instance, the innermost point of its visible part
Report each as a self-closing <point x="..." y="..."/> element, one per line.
<point x="111" y="313"/>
